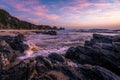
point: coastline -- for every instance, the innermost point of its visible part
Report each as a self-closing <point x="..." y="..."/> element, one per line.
<point x="92" y="61"/>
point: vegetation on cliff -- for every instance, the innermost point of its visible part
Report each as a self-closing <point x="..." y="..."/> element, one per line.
<point x="9" y="22"/>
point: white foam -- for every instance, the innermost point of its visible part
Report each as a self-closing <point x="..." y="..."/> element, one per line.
<point x="47" y="44"/>
<point x="31" y="54"/>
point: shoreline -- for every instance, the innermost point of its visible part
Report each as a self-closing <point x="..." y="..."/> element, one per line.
<point x="93" y="60"/>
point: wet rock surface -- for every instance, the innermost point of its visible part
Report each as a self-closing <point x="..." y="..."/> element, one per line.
<point x="50" y="32"/>
<point x="89" y="62"/>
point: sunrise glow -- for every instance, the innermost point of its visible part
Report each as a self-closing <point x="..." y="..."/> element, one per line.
<point x="67" y="13"/>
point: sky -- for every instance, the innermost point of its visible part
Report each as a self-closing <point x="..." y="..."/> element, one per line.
<point x="66" y="13"/>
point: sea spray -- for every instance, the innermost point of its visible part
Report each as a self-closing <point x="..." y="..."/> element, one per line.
<point x="34" y="51"/>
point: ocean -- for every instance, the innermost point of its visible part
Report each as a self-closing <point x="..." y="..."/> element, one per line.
<point x="46" y="44"/>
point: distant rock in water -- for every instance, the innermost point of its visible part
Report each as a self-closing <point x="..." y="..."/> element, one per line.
<point x="50" y="32"/>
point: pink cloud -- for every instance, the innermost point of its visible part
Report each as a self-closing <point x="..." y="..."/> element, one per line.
<point x="52" y="17"/>
<point x="18" y="6"/>
<point x="42" y="9"/>
<point x="85" y="7"/>
<point x="32" y="8"/>
<point x="2" y="7"/>
<point x="66" y="14"/>
<point x="47" y="16"/>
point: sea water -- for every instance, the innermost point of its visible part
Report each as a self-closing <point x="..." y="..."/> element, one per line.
<point x="59" y="43"/>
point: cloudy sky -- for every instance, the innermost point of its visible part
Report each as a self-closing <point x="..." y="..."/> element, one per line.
<point x="67" y="13"/>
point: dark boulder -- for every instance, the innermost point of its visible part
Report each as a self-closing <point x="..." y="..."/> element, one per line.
<point x="89" y="43"/>
<point x="46" y="62"/>
<point x="107" y="46"/>
<point x="70" y="72"/>
<point x="116" y="38"/>
<point x="50" y="32"/>
<point x="96" y="73"/>
<point x="86" y="72"/>
<point x="71" y="53"/>
<point x="5" y="47"/>
<point x="20" y="71"/>
<point x="116" y="46"/>
<point x="101" y="57"/>
<point x="16" y="42"/>
<point x="56" y="57"/>
<point x="7" y="54"/>
<point x="41" y="68"/>
<point x="11" y="47"/>
<point x="102" y="38"/>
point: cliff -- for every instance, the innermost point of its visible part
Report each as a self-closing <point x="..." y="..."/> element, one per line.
<point x="7" y="21"/>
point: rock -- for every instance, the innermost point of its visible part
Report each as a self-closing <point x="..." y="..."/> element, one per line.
<point x="89" y="43"/>
<point x="19" y="37"/>
<point x="4" y="46"/>
<point x="16" y="42"/>
<point x="56" y="57"/>
<point x="96" y="73"/>
<point x="4" y="62"/>
<point x="86" y="72"/>
<point x="98" y="61"/>
<point x="107" y="46"/>
<point x="102" y="38"/>
<point x="101" y="57"/>
<point x="116" y="38"/>
<point x="84" y="59"/>
<point x="6" y="52"/>
<point x="97" y="38"/>
<point x="107" y="75"/>
<point x="44" y="77"/>
<point x="70" y="53"/>
<point x="26" y="47"/>
<point x="70" y="72"/>
<point x="20" y="71"/>
<point x="104" y="42"/>
<point x="117" y="46"/>
<point x="50" y="32"/>
<point x="41" y="68"/>
<point x="11" y="47"/>
<point x="44" y="61"/>
<point x="80" y="54"/>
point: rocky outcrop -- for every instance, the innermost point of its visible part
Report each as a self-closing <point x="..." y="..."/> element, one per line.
<point x="42" y="68"/>
<point x="101" y="50"/>
<point x="9" y="22"/>
<point x="105" y="42"/>
<point x="10" y="49"/>
<point x="79" y="63"/>
<point x="16" y="43"/>
<point x="50" y="32"/>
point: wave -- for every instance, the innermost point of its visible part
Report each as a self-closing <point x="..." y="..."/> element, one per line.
<point x="34" y="51"/>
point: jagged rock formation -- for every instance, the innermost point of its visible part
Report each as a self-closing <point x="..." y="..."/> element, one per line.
<point x="79" y="63"/>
